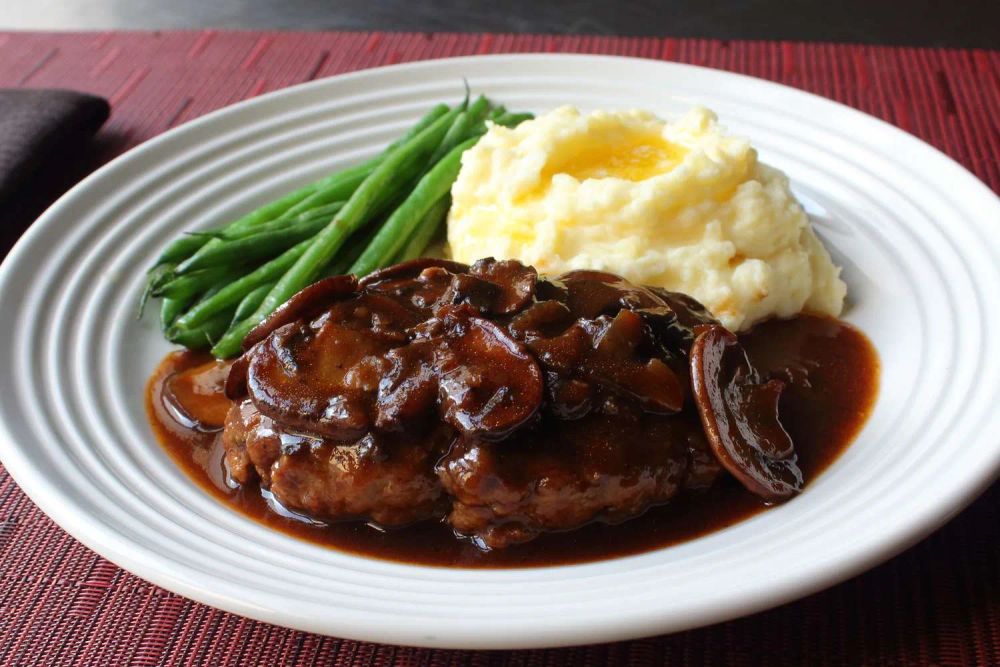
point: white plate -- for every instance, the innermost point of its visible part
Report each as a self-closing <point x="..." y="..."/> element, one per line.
<point x="916" y="233"/>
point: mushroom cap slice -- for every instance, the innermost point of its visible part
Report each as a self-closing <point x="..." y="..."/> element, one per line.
<point x="307" y="302"/>
<point x="192" y="396"/>
<point x="615" y="360"/>
<point x="489" y="383"/>
<point x="740" y="416"/>
<point x="236" y="381"/>
<point x="515" y="282"/>
<point x="411" y="269"/>
<point x="320" y="375"/>
<point x="302" y="379"/>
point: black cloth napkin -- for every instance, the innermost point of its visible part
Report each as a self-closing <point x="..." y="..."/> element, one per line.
<point x="45" y="147"/>
<point x="38" y="127"/>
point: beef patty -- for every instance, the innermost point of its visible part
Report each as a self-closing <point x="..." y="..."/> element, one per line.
<point x="505" y="403"/>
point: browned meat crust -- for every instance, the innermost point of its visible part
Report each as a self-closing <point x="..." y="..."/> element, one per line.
<point x="573" y="472"/>
<point x="389" y="480"/>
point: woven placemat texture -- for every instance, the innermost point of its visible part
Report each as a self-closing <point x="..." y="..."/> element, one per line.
<point x="60" y="604"/>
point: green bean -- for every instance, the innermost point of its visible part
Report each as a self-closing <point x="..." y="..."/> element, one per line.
<point x="351" y="251"/>
<point x="179" y="250"/>
<point x="234" y="292"/>
<point x="479" y="109"/>
<point x="186" y="246"/>
<point x="156" y="277"/>
<point x="366" y="201"/>
<point x="336" y="190"/>
<point x="476" y="132"/>
<point x="425" y="232"/>
<point x="197" y="282"/>
<point x="511" y="119"/>
<point x="430" y="225"/>
<point x="207" y="235"/>
<point x="204" y="336"/>
<point x="460" y="128"/>
<point x="339" y="187"/>
<point x="496" y="112"/>
<point x="397" y="229"/>
<point x="327" y="212"/>
<point x="400" y="166"/>
<point x="422" y="124"/>
<point x="453" y="136"/>
<point x="332" y="188"/>
<point x="254" y="247"/>
<point x="170" y="309"/>
<point x="250" y="302"/>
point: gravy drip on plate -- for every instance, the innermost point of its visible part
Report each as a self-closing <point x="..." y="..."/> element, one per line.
<point x="830" y="372"/>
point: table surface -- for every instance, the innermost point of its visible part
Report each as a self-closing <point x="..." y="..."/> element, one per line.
<point x="965" y="23"/>
<point x="937" y="603"/>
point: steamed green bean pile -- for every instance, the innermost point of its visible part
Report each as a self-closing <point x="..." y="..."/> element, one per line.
<point x="216" y="285"/>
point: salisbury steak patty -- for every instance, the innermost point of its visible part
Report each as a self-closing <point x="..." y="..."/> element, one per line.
<point x="507" y="403"/>
<point x="389" y="480"/>
<point x="568" y="473"/>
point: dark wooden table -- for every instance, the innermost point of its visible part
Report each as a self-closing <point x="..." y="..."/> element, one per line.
<point x="961" y="23"/>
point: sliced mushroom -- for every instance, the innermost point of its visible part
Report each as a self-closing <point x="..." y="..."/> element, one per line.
<point x="421" y="292"/>
<point x="516" y="283"/>
<point x="615" y="360"/>
<point x="569" y="398"/>
<point x="409" y="387"/>
<point x="688" y="310"/>
<point x="467" y="289"/>
<point x="564" y="353"/>
<point x="311" y="300"/>
<point x="303" y="378"/>
<point x="674" y="317"/>
<point x="385" y="317"/>
<point x="591" y="294"/>
<point x="489" y="383"/>
<point x="596" y="293"/>
<point x="679" y="323"/>
<point x="541" y="319"/>
<point x="411" y="269"/>
<point x="193" y="397"/>
<point x="590" y="274"/>
<point x="740" y="416"/>
<point x="236" y="381"/>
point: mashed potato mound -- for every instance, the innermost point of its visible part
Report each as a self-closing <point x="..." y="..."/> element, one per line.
<point x="679" y="205"/>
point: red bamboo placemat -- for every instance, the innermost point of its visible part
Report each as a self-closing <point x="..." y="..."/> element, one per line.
<point x="937" y="603"/>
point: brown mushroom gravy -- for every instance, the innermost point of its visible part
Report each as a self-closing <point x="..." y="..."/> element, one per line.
<point x="484" y="416"/>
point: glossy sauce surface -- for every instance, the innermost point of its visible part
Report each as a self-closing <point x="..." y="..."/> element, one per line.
<point x="831" y="371"/>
